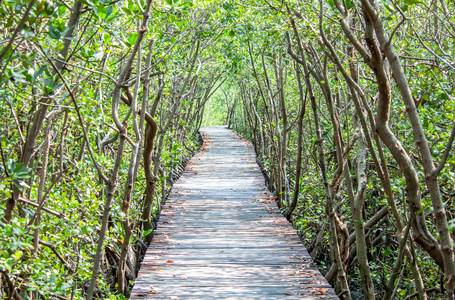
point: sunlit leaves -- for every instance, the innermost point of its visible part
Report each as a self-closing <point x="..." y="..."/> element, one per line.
<point x="132" y="39"/>
<point x="106" y="37"/>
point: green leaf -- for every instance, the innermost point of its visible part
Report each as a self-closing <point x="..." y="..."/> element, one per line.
<point x="106" y="38"/>
<point x="127" y="11"/>
<point x="59" y="47"/>
<point x="444" y="96"/>
<point x="133" y="38"/>
<point x="147" y="232"/>
<point x="54" y="33"/>
<point x="109" y="11"/>
<point x="61" y="10"/>
<point x="9" y="22"/>
<point x="390" y="8"/>
<point x="21" y="184"/>
<point x="18" y="168"/>
<point x="131" y="5"/>
<point x="17" y="255"/>
<point x="101" y="12"/>
<point x="23" y="171"/>
<point x="332" y="4"/>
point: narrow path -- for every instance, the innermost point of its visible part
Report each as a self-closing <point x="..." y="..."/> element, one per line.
<point x="221" y="236"/>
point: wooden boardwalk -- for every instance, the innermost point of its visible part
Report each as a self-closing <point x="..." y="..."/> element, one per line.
<point x="220" y="235"/>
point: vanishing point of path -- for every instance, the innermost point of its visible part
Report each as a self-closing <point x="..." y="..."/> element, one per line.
<point x="221" y="236"/>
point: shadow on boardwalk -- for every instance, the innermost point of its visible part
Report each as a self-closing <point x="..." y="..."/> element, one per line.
<point x="221" y="236"/>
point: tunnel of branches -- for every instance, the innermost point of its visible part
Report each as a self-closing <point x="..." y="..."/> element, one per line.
<point x="349" y="106"/>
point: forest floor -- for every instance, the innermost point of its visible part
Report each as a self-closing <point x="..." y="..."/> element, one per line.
<point x="221" y="236"/>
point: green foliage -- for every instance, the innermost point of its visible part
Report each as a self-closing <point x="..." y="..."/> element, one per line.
<point x="243" y="46"/>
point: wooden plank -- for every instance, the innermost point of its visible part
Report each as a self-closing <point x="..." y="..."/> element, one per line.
<point x="221" y="236"/>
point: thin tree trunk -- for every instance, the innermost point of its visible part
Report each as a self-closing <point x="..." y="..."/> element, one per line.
<point x="357" y="203"/>
<point x="431" y="175"/>
<point x="111" y="184"/>
<point x="39" y="116"/>
<point x="298" y="166"/>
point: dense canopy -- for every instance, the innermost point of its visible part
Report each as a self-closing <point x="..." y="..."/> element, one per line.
<point x="349" y="105"/>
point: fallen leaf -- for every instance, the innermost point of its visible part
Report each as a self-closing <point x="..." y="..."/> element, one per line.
<point x="170" y="261"/>
<point x="153" y="292"/>
<point x="290" y="294"/>
<point x="319" y="291"/>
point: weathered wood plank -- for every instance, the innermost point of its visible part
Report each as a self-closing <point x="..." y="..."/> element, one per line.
<point x="221" y="236"/>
